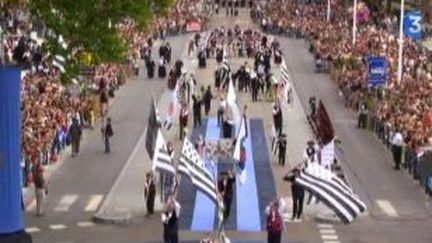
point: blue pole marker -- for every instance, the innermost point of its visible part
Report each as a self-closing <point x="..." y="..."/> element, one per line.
<point x="11" y="216"/>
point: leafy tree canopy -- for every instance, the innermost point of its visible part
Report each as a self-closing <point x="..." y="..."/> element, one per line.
<point x="88" y="25"/>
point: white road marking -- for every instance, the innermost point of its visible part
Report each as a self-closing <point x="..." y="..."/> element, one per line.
<point x="331" y="241"/>
<point x="387" y="207"/>
<point x="32" y="229"/>
<point x="329" y="237"/>
<point x="31" y="206"/>
<point x="57" y="226"/>
<point x="85" y="224"/>
<point x="93" y="203"/>
<point x="327" y="231"/>
<point x="65" y="203"/>
<point x="325" y="226"/>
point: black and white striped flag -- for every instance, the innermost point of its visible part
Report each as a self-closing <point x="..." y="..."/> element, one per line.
<point x="59" y="62"/>
<point x="332" y="191"/>
<point x="162" y="160"/>
<point x="284" y="77"/>
<point x="192" y="165"/>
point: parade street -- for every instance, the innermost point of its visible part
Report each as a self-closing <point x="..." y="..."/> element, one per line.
<point x="251" y="129"/>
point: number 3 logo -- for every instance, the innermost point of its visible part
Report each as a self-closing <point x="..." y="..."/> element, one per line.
<point x="415" y="21"/>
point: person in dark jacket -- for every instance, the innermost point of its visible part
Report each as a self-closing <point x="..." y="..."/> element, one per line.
<point x="225" y="188"/>
<point x="208" y="96"/>
<point x="297" y="194"/>
<point x="197" y="110"/>
<point x="170" y="215"/>
<point x="150" y="193"/>
<point x="107" y="134"/>
<point x="75" y="132"/>
<point x="282" y="146"/>
<point x="277" y="118"/>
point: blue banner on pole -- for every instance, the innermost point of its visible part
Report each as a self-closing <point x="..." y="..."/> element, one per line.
<point x="376" y="71"/>
<point x="413" y="24"/>
<point x="11" y="216"/>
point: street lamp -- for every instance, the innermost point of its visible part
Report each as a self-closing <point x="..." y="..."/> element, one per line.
<point x="354" y="28"/>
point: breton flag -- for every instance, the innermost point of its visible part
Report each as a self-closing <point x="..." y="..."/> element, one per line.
<point x="234" y="105"/>
<point x="331" y="190"/>
<point x="192" y="165"/>
<point x="284" y="75"/>
<point x="162" y="159"/>
<point x="152" y="130"/>
<point x="59" y="62"/>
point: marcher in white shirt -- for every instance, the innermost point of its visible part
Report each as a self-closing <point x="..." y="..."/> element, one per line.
<point x="397" y="142"/>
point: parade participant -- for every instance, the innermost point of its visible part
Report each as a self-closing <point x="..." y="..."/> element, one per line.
<point x="150" y="68"/>
<point x="277" y="118"/>
<point x="150" y="193"/>
<point x="41" y="189"/>
<point x="183" y="119"/>
<point x="107" y="132"/>
<point x="255" y="85"/>
<point x="274" y="222"/>
<point x="197" y="102"/>
<point x="282" y="146"/>
<point x="75" y="133"/>
<point x="297" y="194"/>
<point x="207" y="98"/>
<point x="310" y="153"/>
<point x="168" y="52"/>
<point x="397" y="143"/>
<point x="221" y="111"/>
<point x="225" y="188"/>
<point x="362" y="115"/>
<point x="162" y="68"/>
<point x="170" y="215"/>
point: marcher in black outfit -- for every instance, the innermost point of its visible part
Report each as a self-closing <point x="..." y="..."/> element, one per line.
<point x="150" y="68"/>
<point x="208" y="96"/>
<point x="277" y="118"/>
<point x="149" y="193"/>
<point x="225" y="188"/>
<point x="170" y="216"/>
<point x="255" y="87"/>
<point x="197" y="110"/>
<point x="297" y="194"/>
<point x="282" y="145"/>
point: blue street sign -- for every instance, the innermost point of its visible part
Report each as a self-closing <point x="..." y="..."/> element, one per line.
<point x="413" y="24"/>
<point x="376" y="71"/>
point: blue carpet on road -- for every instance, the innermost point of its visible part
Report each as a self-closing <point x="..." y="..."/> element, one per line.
<point x="199" y="213"/>
<point x="248" y="215"/>
<point x="187" y="191"/>
<point x="205" y="209"/>
<point x="264" y="175"/>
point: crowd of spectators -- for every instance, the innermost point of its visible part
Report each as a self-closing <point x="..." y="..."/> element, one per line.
<point x="48" y="106"/>
<point x="404" y="106"/>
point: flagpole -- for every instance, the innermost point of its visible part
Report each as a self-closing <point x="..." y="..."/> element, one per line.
<point x="401" y="37"/>
<point x="328" y="10"/>
<point x="354" y="28"/>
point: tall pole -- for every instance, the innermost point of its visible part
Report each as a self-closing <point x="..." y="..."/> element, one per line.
<point x="401" y="38"/>
<point x="354" y="28"/>
<point x="328" y="10"/>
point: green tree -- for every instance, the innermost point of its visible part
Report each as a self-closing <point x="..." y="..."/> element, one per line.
<point x="88" y="25"/>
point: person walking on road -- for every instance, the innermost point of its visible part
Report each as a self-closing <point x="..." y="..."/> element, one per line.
<point x="41" y="191"/>
<point x="297" y="195"/>
<point x="277" y="118"/>
<point x="362" y="115"/>
<point x="225" y="188"/>
<point x="282" y="146"/>
<point x="208" y="96"/>
<point x="75" y="133"/>
<point x="397" y="143"/>
<point x="107" y="132"/>
<point x="150" y="193"/>
<point x="169" y="217"/>
<point x="183" y="119"/>
<point x="221" y="111"/>
<point x="196" y="110"/>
